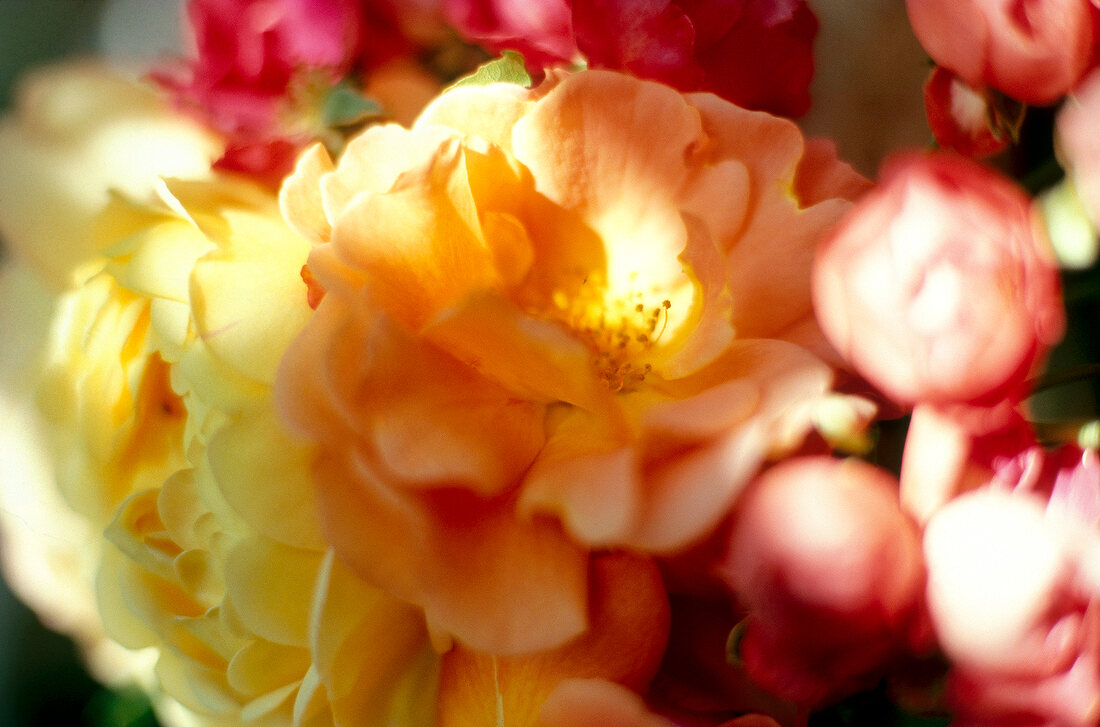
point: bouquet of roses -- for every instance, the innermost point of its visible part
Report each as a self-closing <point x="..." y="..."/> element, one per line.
<point x="520" y="362"/>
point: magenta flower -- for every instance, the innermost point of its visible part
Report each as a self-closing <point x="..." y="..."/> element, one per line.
<point x="256" y="63"/>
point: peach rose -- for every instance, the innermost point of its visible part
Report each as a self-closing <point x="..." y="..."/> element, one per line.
<point x="1034" y="51"/>
<point x="553" y="320"/>
<point x="830" y="571"/>
<point x="939" y="287"/>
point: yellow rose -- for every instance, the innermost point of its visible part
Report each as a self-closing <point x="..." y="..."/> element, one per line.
<point x="222" y="567"/>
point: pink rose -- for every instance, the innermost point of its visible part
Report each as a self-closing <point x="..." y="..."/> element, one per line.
<point x="1032" y="50"/>
<point x="938" y="287"/>
<point x="830" y="571"/>
<point x="1012" y="591"/>
<point x="756" y="53"/>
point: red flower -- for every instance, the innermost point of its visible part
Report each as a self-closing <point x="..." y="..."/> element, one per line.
<point x="755" y="53"/>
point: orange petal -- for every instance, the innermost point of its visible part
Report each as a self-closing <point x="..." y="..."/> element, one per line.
<point x="491" y="580"/>
<point x="533" y="358"/>
<point x="587" y="478"/>
<point x="629" y="628"/>
<point x="421" y="244"/>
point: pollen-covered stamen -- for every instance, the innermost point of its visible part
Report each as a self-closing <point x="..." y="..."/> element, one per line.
<point x="621" y="331"/>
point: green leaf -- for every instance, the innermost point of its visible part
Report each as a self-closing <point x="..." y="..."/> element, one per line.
<point x="344" y="106"/>
<point x="509" y="68"/>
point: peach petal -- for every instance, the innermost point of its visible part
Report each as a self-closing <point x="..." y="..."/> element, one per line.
<point x="421" y="244"/>
<point x="496" y="583"/>
<point x="373" y="161"/>
<point x="586" y="478"/>
<point x="532" y="358"/>
<point x="624" y="643"/>
<point x="583" y="161"/>
<point x="822" y="176"/>
<point x="482" y="112"/>
<point x="770" y="147"/>
<point x="691" y="493"/>
<point x="769" y="298"/>
<point x="434" y="422"/>
<point x="300" y="198"/>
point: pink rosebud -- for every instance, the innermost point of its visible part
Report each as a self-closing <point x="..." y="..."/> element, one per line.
<point x="938" y="287"/>
<point x="830" y="571"/>
<point x="1032" y="50"/>
<point x="965" y="118"/>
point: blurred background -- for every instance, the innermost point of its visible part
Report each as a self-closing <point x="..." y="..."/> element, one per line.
<point x="42" y="679"/>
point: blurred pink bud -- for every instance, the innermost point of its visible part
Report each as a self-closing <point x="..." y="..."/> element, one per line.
<point x="830" y="571"/>
<point x="966" y="119"/>
<point x="938" y="286"/>
<point x="1033" y="50"/>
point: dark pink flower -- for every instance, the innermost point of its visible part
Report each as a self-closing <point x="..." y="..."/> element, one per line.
<point x="1032" y="50"/>
<point x="755" y="53"/>
<point x="542" y="30"/>
<point x="251" y="58"/>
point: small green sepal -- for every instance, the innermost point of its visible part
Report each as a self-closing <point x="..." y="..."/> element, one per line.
<point x="509" y="68"/>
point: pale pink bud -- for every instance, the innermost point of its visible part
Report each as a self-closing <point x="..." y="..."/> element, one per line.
<point x="938" y="286"/>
